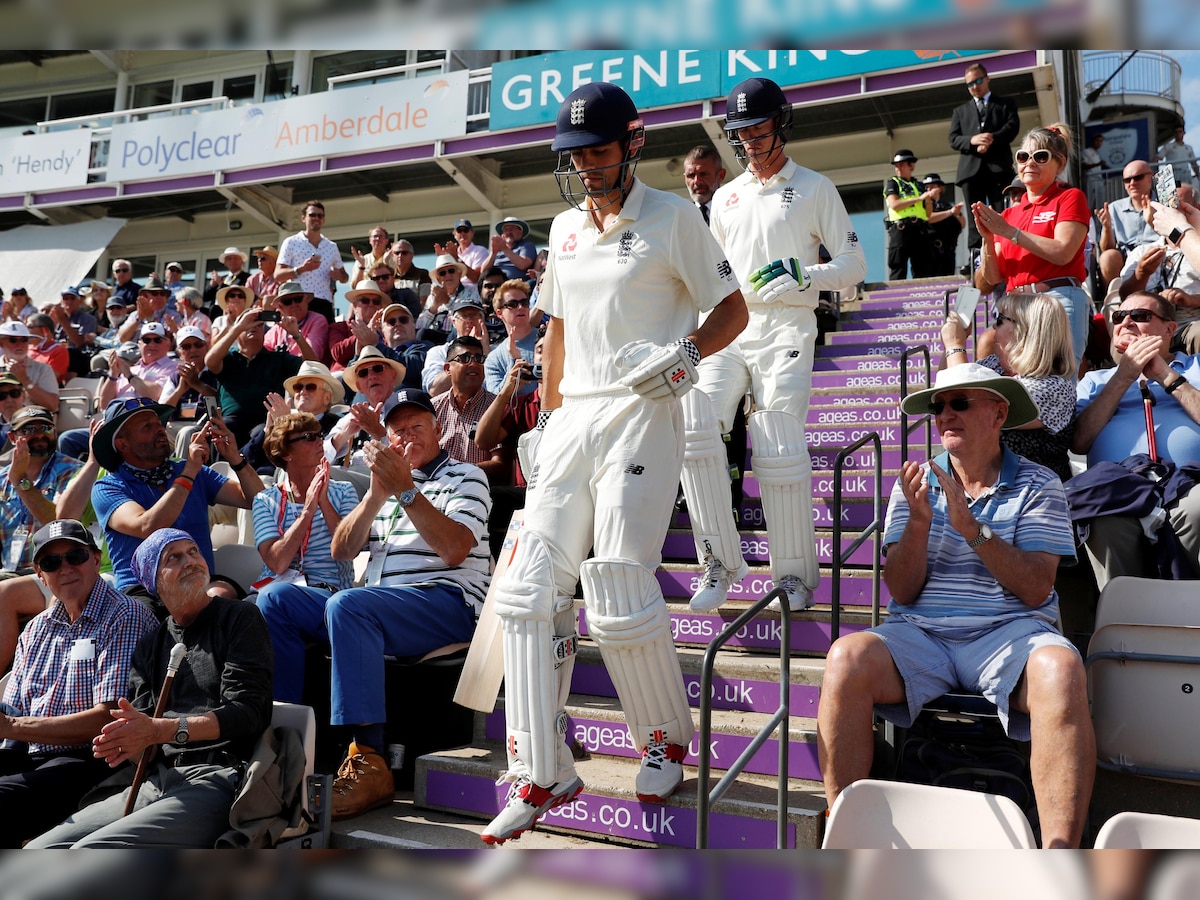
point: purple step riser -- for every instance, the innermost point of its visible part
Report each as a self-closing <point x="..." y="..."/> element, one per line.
<point x="840" y="362"/>
<point x="857" y="484"/>
<point x="856" y="591"/>
<point x="607" y="738"/>
<point x="756" y="549"/>
<point x="870" y="382"/>
<point x="734" y="694"/>
<point x="930" y="336"/>
<point x="932" y="289"/>
<point x="595" y="814"/>
<point x="855" y="516"/>
<point x="872" y="415"/>
<point x="883" y="325"/>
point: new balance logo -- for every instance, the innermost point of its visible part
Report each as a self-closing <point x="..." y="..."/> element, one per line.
<point x="635" y="469"/>
<point x="724" y="270"/>
<point x="852" y="237"/>
<point x="792" y="354"/>
<point x="577" y="111"/>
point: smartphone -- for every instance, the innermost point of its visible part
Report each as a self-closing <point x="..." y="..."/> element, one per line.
<point x="965" y="303"/>
<point x="1164" y="185"/>
<point x="270" y="315"/>
<point x="211" y="407"/>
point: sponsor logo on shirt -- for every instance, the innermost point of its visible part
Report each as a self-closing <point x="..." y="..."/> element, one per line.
<point x="625" y="247"/>
<point x="1043" y="217"/>
<point x="786" y="198"/>
<point x="725" y="270"/>
<point x="732" y="200"/>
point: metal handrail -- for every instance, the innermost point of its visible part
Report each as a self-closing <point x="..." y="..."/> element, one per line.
<point x="373" y="75"/>
<point x="875" y="530"/>
<point x="218" y="102"/>
<point x="922" y="349"/>
<point x="779" y="719"/>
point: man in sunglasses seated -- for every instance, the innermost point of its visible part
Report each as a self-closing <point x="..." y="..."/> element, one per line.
<point x="375" y="378"/>
<point x="29" y="486"/>
<point x="468" y="318"/>
<point x="1111" y="426"/>
<point x="460" y="409"/>
<point x="300" y="332"/>
<point x="71" y="668"/>
<point x="363" y="327"/>
<point x="37" y="378"/>
<point x="152" y="376"/>
<point x="973" y="541"/>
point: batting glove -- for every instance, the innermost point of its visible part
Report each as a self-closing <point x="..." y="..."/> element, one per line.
<point x="776" y="280"/>
<point x="661" y="374"/>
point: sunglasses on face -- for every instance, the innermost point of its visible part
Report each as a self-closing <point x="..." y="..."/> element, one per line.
<point x="370" y="301"/>
<point x="232" y="296"/>
<point x="977" y="82"/>
<point x="398" y="320"/>
<point x="193" y="346"/>
<point x="261" y="256"/>
<point x="958" y="404"/>
<point x="17" y="340"/>
<point x="465" y="359"/>
<point x="1141" y="316"/>
<point x="1001" y="318"/>
<point x="291" y="301"/>
<point x="1041" y="157"/>
<point x="446" y="273"/>
<point x="11" y="395"/>
<point x="1132" y="178"/>
<point x="76" y="556"/>
<point x="152" y="339"/>
<point x="372" y="370"/>
<point x="309" y="436"/>
<point x="513" y="304"/>
<point x="120" y="270"/>
<point x="306" y="386"/>
<point x="382" y="275"/>
<point x="35" y="428"/>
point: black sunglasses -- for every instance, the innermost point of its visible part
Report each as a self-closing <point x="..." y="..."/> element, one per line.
<point x="306" y="386"/>
<point x="513" y="304"/>
<point x="373" y="300"/>
<point x="958" y="404"/>
<point x="1141" y="316"/>
<point x="1001" y="318"/>
<point x="1041" y="157"/>
<point x="465" y="359"/>
<point x="310" y="436"/>
<point x="444" y="273"/>
<point x="291" y="301"/>
<point x="11" y="395"/>
<point x="232" y="296"/>
<point x="373" y="370"/>
<point x="491" y="284"/>
<point x="1132" y="178"/>
<point x="76" y="556"/>
<point x="398" y="320"/>
<point x="152" y="339"/>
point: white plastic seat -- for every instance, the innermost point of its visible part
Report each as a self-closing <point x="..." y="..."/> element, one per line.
<point x="75" y="408"/>
<point x="304" y="720"/>
<point x="239" y="562"/>
<point x="1146" y="831"/>
<point x="883" y="815"/>
<point x="1143" y="664"/>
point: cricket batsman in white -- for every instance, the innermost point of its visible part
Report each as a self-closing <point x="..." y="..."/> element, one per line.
<point x="630" y="271"/>
<point x="771" y="220"/>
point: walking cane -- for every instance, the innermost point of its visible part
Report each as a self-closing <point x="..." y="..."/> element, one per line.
<point x="177" y="654"/>
<point x="1148" y="406"/>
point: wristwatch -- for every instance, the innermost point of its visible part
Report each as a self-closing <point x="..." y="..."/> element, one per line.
<point x="985" y="535"/>
<point x="24" y="485"/>
<point x="1177" y="234"/>
<point x="181" y="732"/>
<point x="407" y="497"/>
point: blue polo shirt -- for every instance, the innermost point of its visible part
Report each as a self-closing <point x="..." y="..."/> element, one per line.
<point x="1026" y="507"/>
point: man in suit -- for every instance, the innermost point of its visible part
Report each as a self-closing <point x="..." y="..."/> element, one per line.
<point x="982" y="130"/>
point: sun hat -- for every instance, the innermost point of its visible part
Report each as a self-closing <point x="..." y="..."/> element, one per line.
<point x="250" y="295"/>
<point x="445" y="259"/>
<point x="365" y="287"/>
<point x="510" y="220"/>
<point x="116" y="414"/>
<point x="370" y="354"/>
<point x="319" y="371"/>
<point x="974" y="377"/>
<point x="234" y="251"/>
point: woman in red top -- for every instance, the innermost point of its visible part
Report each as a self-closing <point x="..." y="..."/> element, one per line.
<point x="1036" y="245"/>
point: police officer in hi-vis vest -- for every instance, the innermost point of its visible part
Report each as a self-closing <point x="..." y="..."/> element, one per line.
<point x="908" y="211"/>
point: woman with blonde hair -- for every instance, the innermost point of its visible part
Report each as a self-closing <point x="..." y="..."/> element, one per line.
<point x="1036" y="246"/>
<point x="1031" y="341"/>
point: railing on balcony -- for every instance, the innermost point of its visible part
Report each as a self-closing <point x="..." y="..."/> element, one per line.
<point x="1149" y="73"/>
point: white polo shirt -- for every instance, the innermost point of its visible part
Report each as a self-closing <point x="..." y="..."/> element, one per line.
<point x="791" y="215"/>
<point x="646" y="277"/>
<point x="296" y="249"/>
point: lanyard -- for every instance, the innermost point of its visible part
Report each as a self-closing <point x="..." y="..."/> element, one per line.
<point x="283" y="504"/>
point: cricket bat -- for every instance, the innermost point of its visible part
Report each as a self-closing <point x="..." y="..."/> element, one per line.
<point x="483" y="669"/>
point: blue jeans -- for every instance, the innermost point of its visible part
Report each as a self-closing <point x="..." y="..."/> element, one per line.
<point x="1079" y="314"/>
<point x="361" y="627"/>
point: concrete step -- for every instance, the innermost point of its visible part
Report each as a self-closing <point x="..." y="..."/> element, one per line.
<point x="742" y="682"/>
<point x="598" y="725"/>
<point x="462" y="782"/>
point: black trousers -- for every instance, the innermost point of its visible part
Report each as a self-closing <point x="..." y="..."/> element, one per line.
<point x="983" y="187"/>
<point x="909" y="242"/>
<point x="38" y="792"/>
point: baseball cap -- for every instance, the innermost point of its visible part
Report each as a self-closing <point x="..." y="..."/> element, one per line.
<point x="70" y="289"/>
<point x="14" y="329"/>
<point x="10" y="379"/>
<point x="464" y="223"/>
<point x="467" y="303"/>
<point x="174" y="265"/>
<point x="31" y="414"/>
<point x="187" y="331"/>
<point x="152" y="328"/>
<point x="62" y="530"/>
<point x="406" y="397"/>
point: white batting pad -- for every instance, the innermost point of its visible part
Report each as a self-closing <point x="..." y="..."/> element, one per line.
<point x="784" y="472"/>
<point x="527" y="448"/>
<point x="537" y="665"/>
<point x="706" y="484"/>
<point x="629" y="620"/>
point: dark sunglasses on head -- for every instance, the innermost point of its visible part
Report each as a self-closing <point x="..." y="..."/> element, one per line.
<point x="398" y="320"/>
<point x="311" y="436"/>
<point x="373" y="370"/>
<point x="152" y="339"/>
<point x="977" y="82"/>
<point x="305" y="386"/>
<point x="513" y="304"/>
<point x="958" y="404"/>
<point x="134" y="403"/>
<point x="1132" y="178"/>
<point x="76" y="556"/>
<point x="11" y="395"/>
<point x="1041" y="157"/>
<point x="465" y="359"/>
<point x="1141" y="316"/>
<point x="35" y="428"/>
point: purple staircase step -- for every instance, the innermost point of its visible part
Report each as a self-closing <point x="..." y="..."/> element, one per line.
<point x="756" y="546"/>
<point x="855" y="516"/>
<point x="932" y="336"/>
<point x="856" y="591"/>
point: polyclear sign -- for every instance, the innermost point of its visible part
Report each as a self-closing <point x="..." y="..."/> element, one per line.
<point x="354" y="120"/>
<point x="41" y="162"/>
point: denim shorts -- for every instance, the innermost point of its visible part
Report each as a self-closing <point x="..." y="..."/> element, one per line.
<point x="990" y="664"/>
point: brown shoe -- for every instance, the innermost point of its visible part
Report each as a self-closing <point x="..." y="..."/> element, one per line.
<point x="363" y="782"/>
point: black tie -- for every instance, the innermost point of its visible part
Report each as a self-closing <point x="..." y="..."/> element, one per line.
<point x="704" y="212"/>
<point x="982" y="107"/>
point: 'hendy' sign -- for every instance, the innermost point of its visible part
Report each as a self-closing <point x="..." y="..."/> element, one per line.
<point x="352" y="120"/>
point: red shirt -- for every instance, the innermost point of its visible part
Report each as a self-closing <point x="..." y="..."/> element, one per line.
<point x="1060" y="203"/>
<point x="53" y="354"/>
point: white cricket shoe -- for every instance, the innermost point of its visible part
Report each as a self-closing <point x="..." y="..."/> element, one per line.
<point x="661" y="772"/>
<point x="715" y="584"/>
<point x="800" y="595"/>
<point x="526" y="802"/>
